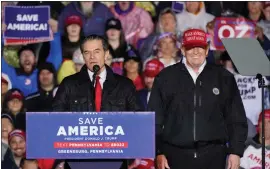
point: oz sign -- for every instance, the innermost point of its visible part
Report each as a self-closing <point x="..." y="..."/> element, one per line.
<point x="232" y="28"/>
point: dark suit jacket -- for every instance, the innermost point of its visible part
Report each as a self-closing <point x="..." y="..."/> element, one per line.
<point x="142" y="98"/>
<point x="75" y="94"/>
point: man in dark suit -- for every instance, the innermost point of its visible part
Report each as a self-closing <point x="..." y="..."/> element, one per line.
<point x="110" y="92"/>
<point x="200" y="117"/>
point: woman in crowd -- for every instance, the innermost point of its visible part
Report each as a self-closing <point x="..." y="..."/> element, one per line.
<point x="72" y="37"/>
<point x="166" y="49"/>
<point x="14" y="103"/>
<point x="255" y="12"/>
<point x="133" y="69"/>
<point x="119" y="46"/>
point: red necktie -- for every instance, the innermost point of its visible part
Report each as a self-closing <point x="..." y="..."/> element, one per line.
<point x="98" y="94"/>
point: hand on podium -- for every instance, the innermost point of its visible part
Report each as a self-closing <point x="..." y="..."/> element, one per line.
<point x="162" y="162"/>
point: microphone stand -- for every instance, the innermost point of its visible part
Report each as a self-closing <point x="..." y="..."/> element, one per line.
<point x="261" y="84"/>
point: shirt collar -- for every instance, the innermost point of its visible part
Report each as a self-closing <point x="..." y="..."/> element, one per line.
<point x="102" y="75"/>
<point x="190" y="69"/>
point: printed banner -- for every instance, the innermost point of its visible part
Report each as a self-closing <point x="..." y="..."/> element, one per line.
<point x="86" y="135"/>
<point x="12" y="41"/>
<point x="231" y="28"/>
<point x="251" y="96"/>
<point x="27" y="22"/>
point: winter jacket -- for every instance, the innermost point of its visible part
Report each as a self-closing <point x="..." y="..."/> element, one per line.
<point x="186" y="20"/>
<point x="93" y="25"/>
<point x="75" y="93"/>
<point x="67" y="68"/>
<point x="137" y="24"/>
<point x="252" y="158"/>
<point x="9" y="162"/>
<point x="28" y="83"/>
<point x="210" y="110"/>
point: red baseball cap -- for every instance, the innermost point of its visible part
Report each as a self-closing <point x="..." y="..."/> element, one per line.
<point x="73" y="19"/>
<point x="152" y="68"/>
<point x="17" y="132"/>
<point x="266" y="115"/>
<point x="16" y="95"/>
<point x="194" y="38"/>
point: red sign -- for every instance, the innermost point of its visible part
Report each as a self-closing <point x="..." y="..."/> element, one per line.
<point x="231" y="28"/>
<point x="17" y="41"/>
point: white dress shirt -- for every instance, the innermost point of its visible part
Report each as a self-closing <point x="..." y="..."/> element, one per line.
<point x="194" y="74"/>
<point x="102" y="76"/>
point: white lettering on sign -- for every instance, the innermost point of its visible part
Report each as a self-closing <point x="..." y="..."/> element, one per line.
<point x="243" y="30"/>
<point x="238" y="31"/>
<point x="226" y="27"/>
<point x="33" y="17"/>
<point x="90" y="131"/>
<point x="27" y="27"/>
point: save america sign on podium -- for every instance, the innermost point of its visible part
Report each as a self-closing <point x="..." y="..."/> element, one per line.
<point x="87" y="135"/>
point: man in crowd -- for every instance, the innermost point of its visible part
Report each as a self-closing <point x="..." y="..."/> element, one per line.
<point x="42" y="100"/>
<point x="166" y="23"/>
<point x="152" y="69"/>
<point x="25" y="77"/>
<point x="110" y="92"/>
<point x="253" y="154"/>
<point x="7" y="123"/>
<point x="92" y="13"/>
<point x="17" y="149"/>
<point x="198" y="110"/>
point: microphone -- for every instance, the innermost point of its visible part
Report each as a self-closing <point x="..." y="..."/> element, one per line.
<point x="96" y="68"/>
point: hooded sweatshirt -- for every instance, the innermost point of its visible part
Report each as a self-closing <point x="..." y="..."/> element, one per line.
<point x="136" y="22"/>
<point x="252" y="158"/>
<point x="186" y="20"/>
<point x="41" y="100"/>
<point x="91" y="25"/>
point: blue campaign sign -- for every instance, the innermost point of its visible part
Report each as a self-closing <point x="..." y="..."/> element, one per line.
<point x="86" y="135"/>
<point x="27" y="22"/>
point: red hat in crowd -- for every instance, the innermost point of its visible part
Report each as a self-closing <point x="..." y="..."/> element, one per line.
<point x="266" y="4"/>
<point x="194" y="38"/>
<point x="16" y="95"/>
<point x="152" y="68"/>
<point x="74" y="19"/>
<point x="18" y="133"/>
<point x="267" y="116"/>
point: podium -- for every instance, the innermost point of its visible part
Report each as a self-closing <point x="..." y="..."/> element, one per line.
<point x="89" y="139"/>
